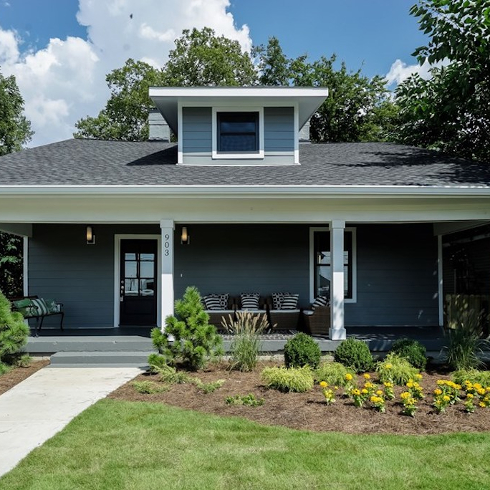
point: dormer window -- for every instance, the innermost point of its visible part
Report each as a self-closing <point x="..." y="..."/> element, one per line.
<point x="238" y="133"/>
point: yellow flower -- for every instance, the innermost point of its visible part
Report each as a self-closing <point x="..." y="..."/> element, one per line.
<point x="364" y="391"/>
<point x="348" y="377"/>
<point x="446" y="398"/>
<point x="367" y="376"/>
<point x="323" y="384"/>
<point x="379" y="392"/>
<point x="481" y="391"/>
<point x="388" y="384"/>
<point x="437" y="392"/>
<point x="410" y="384"/>
<point x="368" y="385"/>
<point x="469" y="395"/>
<point x="356" y="392"/>
<point x="405" y="395"/>
<point x="482" y="404"/>
<point x="440" y="382"/>
<point x="388" y="366"/>
<point x="419" y="376"/>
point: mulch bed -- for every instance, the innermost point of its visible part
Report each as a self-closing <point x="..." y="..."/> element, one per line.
<point x="308" y="411"/>
<point x="18" y="374"/>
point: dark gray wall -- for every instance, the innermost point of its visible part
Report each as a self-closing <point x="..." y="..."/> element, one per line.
<point x="62" y="266"/>
<point x="278" y="129"/>
<point x="396" y="268"/>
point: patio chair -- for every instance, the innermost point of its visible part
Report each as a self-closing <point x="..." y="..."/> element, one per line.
<point x="317" y="321"/>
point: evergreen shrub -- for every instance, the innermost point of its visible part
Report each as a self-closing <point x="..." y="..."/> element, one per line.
<point x="355" y="354"/>
<point x="301" y="350"/>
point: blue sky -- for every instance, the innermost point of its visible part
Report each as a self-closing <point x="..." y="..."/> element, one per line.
<point x="60" y="50"/>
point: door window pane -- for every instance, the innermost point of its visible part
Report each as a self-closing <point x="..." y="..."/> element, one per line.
<point x="131" y="269"/>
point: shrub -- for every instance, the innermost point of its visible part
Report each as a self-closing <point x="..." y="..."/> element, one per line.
<point x="355" y="354"/>
<point x="169" y="374"/>
<point x="249" y="400"/>
<point x="245" y="346"/>
<point x="465" y="340"/>
<point x="395" y="369"/>
<point x="471" y="375"/>
<point x="207" y="387"/>
<point x="149" y="387"/>
<point x="188" y="336"/>
<point x="301" y="350"/>
<point x="298" y="380"/>
<point x="4" y="368"/>
<point x="13" y="331"/>
<point x="332" y="373"/>
<point x="412" y="350"/>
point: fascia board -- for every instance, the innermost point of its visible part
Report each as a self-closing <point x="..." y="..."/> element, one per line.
<point x="248" y="191"/>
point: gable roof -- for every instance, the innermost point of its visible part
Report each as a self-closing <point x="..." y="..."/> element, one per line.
<point x="79" y="162"/>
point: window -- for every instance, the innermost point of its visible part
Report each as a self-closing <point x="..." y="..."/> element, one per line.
<point x="238" y="132"/>
<point x="322" y="261"/>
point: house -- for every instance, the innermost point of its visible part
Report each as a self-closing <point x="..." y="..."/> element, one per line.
<point x="117" y="230"/>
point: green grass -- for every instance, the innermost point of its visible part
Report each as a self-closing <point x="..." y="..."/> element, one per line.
<point x="126" y="445"/>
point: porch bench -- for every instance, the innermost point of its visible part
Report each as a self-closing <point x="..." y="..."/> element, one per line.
<point x="283" y="311"/>
<point x="219" y="307"/>
<point x="37" y="308"/>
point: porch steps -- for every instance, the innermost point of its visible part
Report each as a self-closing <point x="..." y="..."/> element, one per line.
<point x="100" y="359"/>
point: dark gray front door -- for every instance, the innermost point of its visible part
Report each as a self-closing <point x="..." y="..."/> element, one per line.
<point x="138" y="283"/>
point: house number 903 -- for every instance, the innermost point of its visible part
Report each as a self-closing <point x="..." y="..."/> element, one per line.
<point x="166" y="245"/>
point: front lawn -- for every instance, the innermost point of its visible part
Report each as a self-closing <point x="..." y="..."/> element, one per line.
<point x="140" y="445"/>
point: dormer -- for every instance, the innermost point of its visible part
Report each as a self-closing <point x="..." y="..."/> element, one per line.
<point x="237" y="125"/>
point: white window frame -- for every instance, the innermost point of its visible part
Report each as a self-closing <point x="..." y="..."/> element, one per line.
<point x="245" y="155"/>
<point x="349" y="229"/>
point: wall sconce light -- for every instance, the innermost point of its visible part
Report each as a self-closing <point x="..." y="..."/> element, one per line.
<point x="90" y="236"/>
<point x="185" y="238"/>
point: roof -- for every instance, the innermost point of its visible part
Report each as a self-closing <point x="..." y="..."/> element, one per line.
<point x="85" y="162"/>
<point x="168" y="99"/>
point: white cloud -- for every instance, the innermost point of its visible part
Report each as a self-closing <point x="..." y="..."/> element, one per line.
<point x="65" y="81"/>
<point x="400" y="71"/>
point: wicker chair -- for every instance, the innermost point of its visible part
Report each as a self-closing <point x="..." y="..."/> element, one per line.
<point x="317" y="321"/>
<point x="282" y="319"/>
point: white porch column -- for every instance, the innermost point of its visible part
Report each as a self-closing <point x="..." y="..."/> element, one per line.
<point x="167" y="270"/>
<point x="337" y="328"/>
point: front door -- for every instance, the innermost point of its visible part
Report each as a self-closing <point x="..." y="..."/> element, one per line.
<point x="138" y="282"/>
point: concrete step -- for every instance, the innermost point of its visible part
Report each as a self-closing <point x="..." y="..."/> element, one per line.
<point x="100" y="359"/>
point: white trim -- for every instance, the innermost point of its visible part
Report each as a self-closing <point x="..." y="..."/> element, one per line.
<point x="256" y="155"/>
<point x="180" y="135"/>
<point x="266" y="92"/>
<point x="296" y="133"/>
<point x="440" y="280"/>
<point x="25" y="265"/>
<point x="353" y="231"/>
<point x="396" y="192"/>
<point x="117" y="272"/>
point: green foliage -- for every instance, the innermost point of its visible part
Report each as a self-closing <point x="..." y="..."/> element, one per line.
<point x="465" y="340"/>
<point x="246" y="343"/>
<point x="149" y="387"/>
<point x="125" y="116"/>
<point x="471" y="375"/>
<point x="355" y="354"/>
<point x="169" y="374"/>
<point x="301" y="350"/>
<point x="4" y="368"/>
<point x="207" y="387"/>
<point x="395" y="369"/>
<point x="11" y="268"/>
<point x="201" y="58"/>
<point x="15" y="129"/>
<point x="13" y="330"/>
<point x="274" y="67"/>
<point x="450" y="111"/>
<point x="298" y="380"/>
<point x="188" y="337"/>
<point x="412" y="350"/>
<point x="332" y="373"/>
<point x="248" y="400"/>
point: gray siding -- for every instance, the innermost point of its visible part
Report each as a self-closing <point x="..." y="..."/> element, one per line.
<point x="278" y="129"/>
<point x="196" y="130"/>
<point x="62" y="266"/>
<point x="396" y="276"/>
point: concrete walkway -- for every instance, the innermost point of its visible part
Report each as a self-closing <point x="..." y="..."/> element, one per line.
<point x="40" y="406"/>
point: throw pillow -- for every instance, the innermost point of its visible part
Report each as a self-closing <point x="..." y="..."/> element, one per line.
<point x="250" y="301"/>
<point x="277" y="300"/>
<point x="320" y="301"/>
<point x="25" y="307"/>
<point x="53" y="306"/>
<point x="42" y="307"/>
<point x="290" y="302"/>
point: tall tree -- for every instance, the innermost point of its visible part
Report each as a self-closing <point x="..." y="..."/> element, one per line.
<point x="450" y="111"/>
<point x="273" y="65"/>
<point x="15" y="129"/>
<point x="201" y="58"/>
<point x="125" y="116"/>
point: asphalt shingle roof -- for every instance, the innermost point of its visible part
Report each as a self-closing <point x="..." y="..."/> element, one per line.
<point x="95" y="162"/>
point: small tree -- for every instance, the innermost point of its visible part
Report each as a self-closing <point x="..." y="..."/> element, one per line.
<point x="188" y="336"/>
<point x="13" y="331"/>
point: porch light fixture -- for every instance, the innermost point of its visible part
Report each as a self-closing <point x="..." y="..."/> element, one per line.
<point x="90" y="236"/>
<point x="185" y="238"/>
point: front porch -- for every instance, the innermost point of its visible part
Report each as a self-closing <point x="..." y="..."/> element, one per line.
<point x="109" y="347"/>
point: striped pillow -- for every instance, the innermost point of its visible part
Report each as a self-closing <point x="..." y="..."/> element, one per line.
<point x="277" y="300"/>
<point x="250" y="301"/>
<point x="290" y="302"/>
<point x="320" y="301"/>
<point x="216" y="301"/>
<point x="41" y="306"/>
